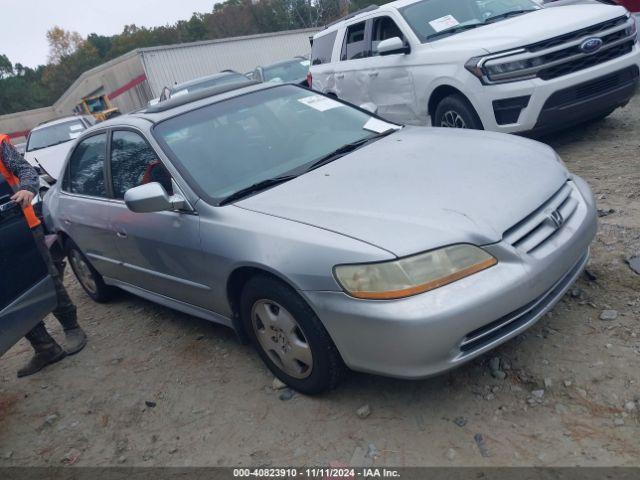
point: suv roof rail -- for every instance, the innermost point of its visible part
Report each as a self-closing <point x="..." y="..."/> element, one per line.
<point x="197" y="95"/>
<point x="370" y="8"/>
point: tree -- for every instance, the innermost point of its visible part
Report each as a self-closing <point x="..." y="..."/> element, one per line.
<point x="6" y="67"/>
<point x="62" y="44"/>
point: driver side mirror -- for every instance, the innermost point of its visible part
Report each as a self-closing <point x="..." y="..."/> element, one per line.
<point x="392" y="46"/>
<point x="152" y="197"/>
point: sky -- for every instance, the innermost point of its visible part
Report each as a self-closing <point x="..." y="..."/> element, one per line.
<point x="24" y="23"/>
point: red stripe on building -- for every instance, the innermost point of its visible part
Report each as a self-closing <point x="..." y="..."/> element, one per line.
<point x="127" y="86"/>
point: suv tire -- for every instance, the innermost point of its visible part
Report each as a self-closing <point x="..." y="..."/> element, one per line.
<point x="289" y="337"/>
<point x="88" y="277"/>
<point x="455" y="111"/>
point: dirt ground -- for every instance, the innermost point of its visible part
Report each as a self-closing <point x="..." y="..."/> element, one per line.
<point x="155" y="387"/>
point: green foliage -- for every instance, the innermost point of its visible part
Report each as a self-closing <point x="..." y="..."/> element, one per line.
<point x="23" y="88"/>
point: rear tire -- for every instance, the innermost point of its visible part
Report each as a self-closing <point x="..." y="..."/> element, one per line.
<point x="289" y="337"/>
<point x="455" y="111"/>
<point x="88" y="277"/>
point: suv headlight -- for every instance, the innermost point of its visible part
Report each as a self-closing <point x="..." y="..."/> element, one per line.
<point x="412" y="275"/>
<point x="632" y="29"/>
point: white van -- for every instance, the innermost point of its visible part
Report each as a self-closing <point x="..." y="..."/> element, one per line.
<point x="501" y="65"/>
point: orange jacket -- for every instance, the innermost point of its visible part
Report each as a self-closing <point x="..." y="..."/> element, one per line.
<point x="14" y="181"/>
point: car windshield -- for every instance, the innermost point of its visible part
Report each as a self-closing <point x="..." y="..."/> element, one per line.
<point x="55" y="134"/>
<point x="434" y="19"/>
<point x="287" y="72"/>
<point x="285" y="130"/>
<point x="208" y="83"/>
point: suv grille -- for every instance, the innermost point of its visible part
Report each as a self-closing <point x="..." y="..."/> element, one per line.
<point x="538" y="227"/>
<point x="586" y="61"/>
<point x="577" y="35"/>
<point x="562" y="55"/>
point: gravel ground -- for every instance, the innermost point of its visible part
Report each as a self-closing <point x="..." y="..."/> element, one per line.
<point x="155" y="387"/>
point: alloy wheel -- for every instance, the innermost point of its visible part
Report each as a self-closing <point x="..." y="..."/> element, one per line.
<point x="452" y="119"/>
<point x="83" y="271"/>
<point x="282" y="338"/>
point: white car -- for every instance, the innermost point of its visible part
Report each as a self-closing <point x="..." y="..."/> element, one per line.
<point x="49" y="143"/>
<point x="501" y="65"/>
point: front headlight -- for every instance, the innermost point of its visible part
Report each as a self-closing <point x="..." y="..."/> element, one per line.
<point x="412" y="275"/>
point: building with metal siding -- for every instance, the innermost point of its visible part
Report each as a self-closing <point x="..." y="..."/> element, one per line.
<point x="133" y="79"/>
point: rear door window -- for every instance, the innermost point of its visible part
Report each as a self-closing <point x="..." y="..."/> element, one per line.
<point x="135" y="163"/>
<point x="322" y="48"/>
<point x="86" y="167"/>
<point x="355" y="45"/>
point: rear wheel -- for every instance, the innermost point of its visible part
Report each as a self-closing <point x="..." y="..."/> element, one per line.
<point x="88" y="277"/>
<point x="455" y="111"/>
<point x="289" y="337"/>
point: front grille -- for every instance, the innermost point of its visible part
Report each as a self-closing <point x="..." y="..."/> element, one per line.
<point x="593" y="88"/>
<point x="502" y="327"/>
<point x="586" y="61"/>
<point x="537" y="228"/>
<point x="562" y="55"/>
<point x="577" y="35"/>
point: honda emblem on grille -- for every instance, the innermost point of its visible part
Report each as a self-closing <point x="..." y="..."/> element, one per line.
<point x="591" y="45"/>
<point x="556" y="219"/>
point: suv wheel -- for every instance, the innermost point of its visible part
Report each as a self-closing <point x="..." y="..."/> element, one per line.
<point x="455" y="111"/>
<point x="88" y="277"/>
<point x="289" y="337"/>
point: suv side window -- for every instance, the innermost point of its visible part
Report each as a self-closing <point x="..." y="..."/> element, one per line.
<point x="86" y="167"/>
<point x="135" y="163"/>
<point x="322" y="48"/>
<point x="383" y="29"/>
<point x="354" y="45"/>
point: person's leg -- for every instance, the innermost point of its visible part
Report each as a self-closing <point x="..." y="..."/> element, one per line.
<point x="65" y="311"/>
<point x="47" y="351"/>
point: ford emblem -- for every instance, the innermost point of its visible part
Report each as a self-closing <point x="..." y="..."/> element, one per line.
<point x="591" y="45"/>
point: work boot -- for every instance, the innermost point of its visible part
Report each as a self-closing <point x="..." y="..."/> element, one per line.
<point x="45" y="355"/>
<point x="75" y="340"/>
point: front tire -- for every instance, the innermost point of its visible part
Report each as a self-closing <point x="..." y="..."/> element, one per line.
<point x="289" y="337"/>
<point x="455" y="111"/>
<point x="88" y="277"/>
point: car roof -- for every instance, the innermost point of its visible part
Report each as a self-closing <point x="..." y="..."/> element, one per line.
<point x="199" y="80"/>
<point x="57" y="121"/>
<point x="364" y="13"/>
<point x="186" y="103"/>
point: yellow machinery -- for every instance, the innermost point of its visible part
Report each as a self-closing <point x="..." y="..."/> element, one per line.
<point x="100" y="107"/>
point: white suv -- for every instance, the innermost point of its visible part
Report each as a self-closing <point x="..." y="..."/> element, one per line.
<point x="501" y="65"/>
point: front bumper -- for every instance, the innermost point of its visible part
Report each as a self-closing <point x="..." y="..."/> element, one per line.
<point x="436" y="331"/>
<point x="539" y="92"/>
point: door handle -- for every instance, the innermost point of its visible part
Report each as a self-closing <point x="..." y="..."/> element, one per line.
<point x="373" y="74"/>
<point x="121" y="235"/>
<point x="340" y="75"/>
<point x="67" y="221"/>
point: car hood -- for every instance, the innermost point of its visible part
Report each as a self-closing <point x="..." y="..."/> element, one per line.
<point x="51" y="158"/>
<point x="532" y="27"/>
<point x="421" y="188"/>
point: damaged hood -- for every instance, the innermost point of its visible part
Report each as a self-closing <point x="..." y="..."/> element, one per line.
<point x="50" y="158"/>
<point x="532" y="27"/>
<point x="422" y="188"/>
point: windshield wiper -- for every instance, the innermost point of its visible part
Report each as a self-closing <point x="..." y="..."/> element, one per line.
<point x="452" y="30"/>
<point x="512" y="13"/>
<point x="257" y="187"/>
<point x="348" y="148"/>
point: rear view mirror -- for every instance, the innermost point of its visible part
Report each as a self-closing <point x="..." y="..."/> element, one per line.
<point x="152" y="197"/>
<point x="391" y="46"/>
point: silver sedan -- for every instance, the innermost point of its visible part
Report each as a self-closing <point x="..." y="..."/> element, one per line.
<point x="324" y="235"/>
